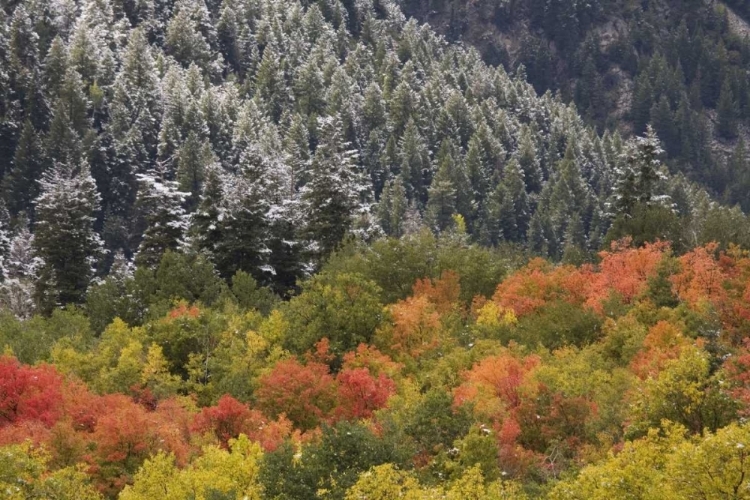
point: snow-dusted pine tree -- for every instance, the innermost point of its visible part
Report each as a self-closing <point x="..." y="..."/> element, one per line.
<point x="21" y="270"/>
<point x="333" y="191"/>
<point x="160" y="207"/>
<point x="64" y="234"/>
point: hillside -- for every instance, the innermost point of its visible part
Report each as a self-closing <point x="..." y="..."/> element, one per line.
<point x="262" y="134"/>
<point x="679" y="65"/>
<point x="295" y="249"/>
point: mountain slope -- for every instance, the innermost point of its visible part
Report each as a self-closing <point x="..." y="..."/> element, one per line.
<point x="679" y="65"/>
<point x="261" y="133"/>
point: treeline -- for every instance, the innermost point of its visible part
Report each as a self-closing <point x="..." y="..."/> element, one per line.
<point x="418" y="367"/>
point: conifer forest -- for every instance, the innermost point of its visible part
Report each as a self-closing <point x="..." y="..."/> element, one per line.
<point x="374" y="249"/>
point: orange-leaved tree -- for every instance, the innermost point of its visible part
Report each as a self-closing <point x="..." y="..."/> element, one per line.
<point x="305" y="394"/>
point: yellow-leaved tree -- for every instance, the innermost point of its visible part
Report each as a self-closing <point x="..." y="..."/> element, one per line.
<point x="24" y="474"/>
<point x="386" y="482"/>
<point x="669" y="465"/>
<point x="215" y="472"/>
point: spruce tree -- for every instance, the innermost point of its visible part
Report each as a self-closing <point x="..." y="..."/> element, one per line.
<point x="441" y="205"/>
<point x="529" y="162"/>
<point x="639" y="174"/>
<point x="193" y="158"/>
<point x="205" y="223"/>
<point x="333" y="191"/>
<point x="415" y="166"/>
<point x="21" y="273"/>
<point x="20" y="185"/>
<point x="664" y="124"/>
<point x="162" y="218"/>
<point x="726" y="111"/>
<point x="509" y="210"/>
<point x="55" y="67"/>
<point x="135" y="110"/>
<point x="5" y="237"/>
<point x="244" y="225"/>
<point x="64" y="235"/>
<point x="392" y="208"/>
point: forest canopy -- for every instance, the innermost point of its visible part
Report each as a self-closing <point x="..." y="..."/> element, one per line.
<point x="626" y="377"/>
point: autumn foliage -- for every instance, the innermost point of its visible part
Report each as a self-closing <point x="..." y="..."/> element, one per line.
<point x="559" y="369"/>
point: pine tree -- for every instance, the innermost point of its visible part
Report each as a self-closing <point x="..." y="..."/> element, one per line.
<point x="373" y="108"/>
<point x="135" y="110"/>
<point x="55" y="67"/>
<point x="643" y="99"/>
<point x="415" y="166"/>
<point x="739" y="170"/>
<point x="184" y="39"/>
<point x="664" y="124"/>
<point x="285" y="248"/>
<point x="244" y="224"/>
<point x="569" y="191"/>
<point x="5" y="236"/>
<point x="307" y="88"/>
<point x="392" y="208"/>
<point x="205" y="223"/>
<point x="297" y="151"/>
<point x="64" y="236"/>
<point x="21" y="272"/>
<point x="163" y="219"/>
<point x="529" y="162"/>
<point x="70" y="121"/>
<point x="441" y="204"/>
<point x="475" y="171"/>
<point x="574" y="242"/>
<point x="639" y="174"/>
<point x="649" y="166"/>
<point x="20" y="186"/>
<point x="269" y="83"/>
<point x="333" y="191"/>
<point x="193" y="158"/>
<point x="726" y="111"/>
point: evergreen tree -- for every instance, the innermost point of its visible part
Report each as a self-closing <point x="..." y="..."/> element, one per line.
<point x="20" y="185"/>
<point x="639" y="174"/>
<point x="415" y="164"/>
<point x="574" y="242"/>
<point x="529" y="162"/>
<point x="285" y="248"/>
<point x="269" y="83"/>
<point x="476" y="173"/>
<point x="194" y="157"/>
<point x="184" y="38"/>
<point x="55" y="67"/>
<point x="5" y="237"/>
<point x="244" y="223"/>
<point x="664" y="125"/>
<point x="333" y="192"/>
<point x="392" y="208"/>
<point x="64" y="236"/>
<point x="205" y="223"/>
<point x="21" y="273"/>
<point x="740" y="169"/>
<point x="441" y="205"/>
<point x="726" y="111"/>
<point x="135" y="109"/>
<point x="509" y="210"/>
<point x="163" y="219"/>
<point x="643" y="99"/>
<point x="373" y="108"/>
